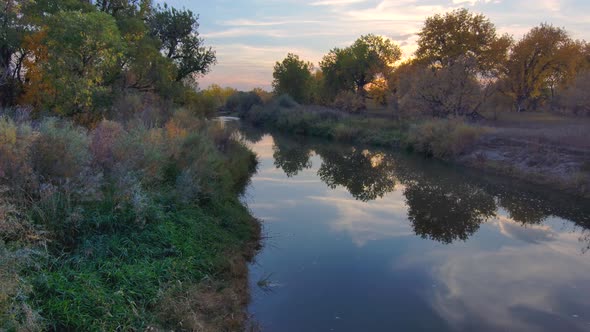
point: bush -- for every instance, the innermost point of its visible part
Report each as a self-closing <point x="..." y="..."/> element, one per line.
<point x="345" y="133"/>
<point x="103" y="139"/>
<point x="442" y="138"/>
<point x="127" y="105"/>
<point x="349" y="102"/>
<point x="16" y="141"/>
<point x="242" y="102"/>
<point x="575" y="97"/>
<point x="263" y="94"/>
<point x="61" y="152"/>
<point x="286" y="101"/>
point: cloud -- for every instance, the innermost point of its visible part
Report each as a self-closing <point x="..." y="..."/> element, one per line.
<point x="336" y="2"/>
<point x="310" y="29"/>
<point x="524" y="285"/>
<point x="383" y="218"/>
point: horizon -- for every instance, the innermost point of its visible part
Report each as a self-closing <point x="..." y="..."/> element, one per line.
<point x="250" y="36"/>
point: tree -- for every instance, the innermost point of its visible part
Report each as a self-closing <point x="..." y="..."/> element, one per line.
<point x="574" y="97"/>
<point x="452" y="90"/>
<point x="75" y="58"/>
<point x="180" y="41"/>
<point x="546" y="56"/>
<point x="293" y="76"/>
<point x="124" y="7"/>
<point x="13" y="29"/>
<point x="352" y="68"/>
<point x="217" y="95"/>
<point x="459" y="34"/>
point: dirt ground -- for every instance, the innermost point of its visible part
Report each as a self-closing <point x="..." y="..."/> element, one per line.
<point x="538" y="147"/>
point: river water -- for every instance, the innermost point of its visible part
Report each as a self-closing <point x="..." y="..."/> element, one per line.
<point x="357" y="239"/>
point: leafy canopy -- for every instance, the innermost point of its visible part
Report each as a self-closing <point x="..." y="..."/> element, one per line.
<point x="352" y="68"/>
<point x="75" y="57"/>
<point x="545" y="56"/>
<point x="293" y="76"/>
<point x="180" y="41"/>
<point x="446" y="38"/>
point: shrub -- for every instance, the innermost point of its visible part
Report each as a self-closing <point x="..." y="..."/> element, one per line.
<point x="242" y="102"/>
<point x="263" y="94"/>
<point x="345" y="133"/>
<point x="103" y="139"/>
<point x="350" y="102"/>
<point x="200" y="104"/>
<point x="127" y="105"/>
<point x="286" y="101"/>
<point x="16" y="141"/>
<point x="61" y="152"/>
<point x="575" y="97"/>
<point x="442" y="138"/>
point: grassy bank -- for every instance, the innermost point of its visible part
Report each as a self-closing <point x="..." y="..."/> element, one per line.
<point x="442" y="139"/>
<point x="123" y="227"/>
<point x="535" y="149"/>
<point x="287" y="116"/>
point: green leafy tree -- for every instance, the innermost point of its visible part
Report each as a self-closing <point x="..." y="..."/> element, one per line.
<point x="124" y="7"/>
<point x="12" y="55"/>
<point x="460" y="34"/>
<point x="180" y="41"/>
<point x="76" y="57"/>
<point x="293" y="76"/>
<point x="350" y="69"/>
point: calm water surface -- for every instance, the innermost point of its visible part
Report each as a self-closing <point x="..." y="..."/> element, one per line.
<point x="361" y="240"/>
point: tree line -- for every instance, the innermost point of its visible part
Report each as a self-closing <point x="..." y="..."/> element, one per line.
<point x="79" y="57"/>
<point x="461" y="66"/>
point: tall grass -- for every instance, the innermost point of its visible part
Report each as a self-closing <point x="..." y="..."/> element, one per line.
<point x="126" y="212"/>
<point x="324" y="122"/>
<point x="442" y="139"/>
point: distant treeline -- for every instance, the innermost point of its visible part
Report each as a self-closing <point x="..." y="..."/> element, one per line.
<point x="462" y="66"/>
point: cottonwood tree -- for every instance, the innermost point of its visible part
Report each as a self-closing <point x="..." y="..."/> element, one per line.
<point x="459" y="34"/>
<point x="464" y="57"/>
<point x="177" y="32"/>
<point x="293" y="76"/>
<point x="352" y="68"/>
<point x="74" y="59"/>
<point x="575" y="97"/>
<point x="546" y="56"/>
<point x="451" y="90"/>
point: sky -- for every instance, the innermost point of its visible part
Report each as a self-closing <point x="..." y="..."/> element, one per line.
<point x="250" y="36"/>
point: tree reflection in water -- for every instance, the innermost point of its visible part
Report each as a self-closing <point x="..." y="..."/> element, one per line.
<point x="447" y="213"/>
<point x="366" y="175"/>
<point x="290" y="156"/>
<point x="443" y="205"/>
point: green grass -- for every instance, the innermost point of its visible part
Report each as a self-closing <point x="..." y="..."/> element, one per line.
<point x="115" y="281"/>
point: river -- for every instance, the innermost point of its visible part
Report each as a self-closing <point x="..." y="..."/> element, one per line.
<point x="359" y="239"/>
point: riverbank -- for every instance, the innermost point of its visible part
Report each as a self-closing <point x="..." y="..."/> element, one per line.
<point x="550" y="150"/>
<point x="124" y="227"/>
